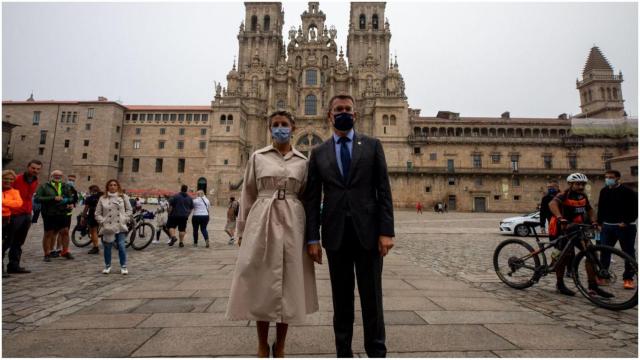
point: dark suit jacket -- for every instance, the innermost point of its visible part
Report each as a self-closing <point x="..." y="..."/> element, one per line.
<point x="366" y="194"/>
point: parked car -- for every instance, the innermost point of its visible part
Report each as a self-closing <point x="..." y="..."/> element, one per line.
<point x="515" y="224"/>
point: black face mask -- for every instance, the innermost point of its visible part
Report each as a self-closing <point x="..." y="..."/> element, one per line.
<point x="343" y="121"/>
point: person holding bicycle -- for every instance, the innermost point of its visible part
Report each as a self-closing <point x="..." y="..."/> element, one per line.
<point x="572" y="207"/>
<point x="88" y="216"/>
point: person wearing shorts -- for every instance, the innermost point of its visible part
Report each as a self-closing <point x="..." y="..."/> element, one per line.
<point x="57" y="199"/>
<point x="181" y="205"/>
<point x="88" y="216"/>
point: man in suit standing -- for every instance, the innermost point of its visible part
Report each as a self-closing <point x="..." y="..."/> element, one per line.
<point x="357" y="224"/>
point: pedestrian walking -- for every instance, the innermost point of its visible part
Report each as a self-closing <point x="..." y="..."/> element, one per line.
<point x="348" y="173"/>
<point x="162" y="216"/>
<point x="419" y="207"/>
<point x="89" y="216"/>
<point x="545" y="213"/>
<point x="11" y="201"/>
<point x="200" y="217"/>
<point x="274" y="279"/>
<point x="180" y="205"/>
<point x="617" y="214"/>
<point x="232" y="214"/>
<point x="113" y="212"/>
<point x="27" y="184"/>
<point x="57" y="199"/>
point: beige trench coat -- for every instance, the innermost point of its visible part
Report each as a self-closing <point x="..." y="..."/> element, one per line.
<point x="274" y="278"/>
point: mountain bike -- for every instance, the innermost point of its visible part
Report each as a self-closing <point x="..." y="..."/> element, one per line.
<point x="141" y="231"/>
<point x="80" y="235"/>
<point x="519" y="266"/>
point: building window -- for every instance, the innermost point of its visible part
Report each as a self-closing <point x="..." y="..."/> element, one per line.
<point x="136" y="144"/>
<point x="121" y="165"/>
<point x="196" y="117"/>
<point x="161" y="144"/>
<point x="385" y="119"/>
<point x="117" y="145"/>
<point x="66" y="143"/>
<point x="181" y="163"/>
<point x="43" y="137"/>
<point x="91" y="113"/>
<point x="165" y="117"/>
<point x="478" y="181"/>
<point x="496" y="197"/>
<point x="36" y="118"/>
<point x="573" y="162"/>
<point x="115" y="157"/>
<point x="427" y="189"/>
<point x="181" y="131"/>
<point x="172" y="117"/>
<point x="135" y="165"/>
<point x="450" y="167"/>
<point x="87" y="126"/>
<point x="226" y="162"/>
<point x="203" y="132"/>
<point x="203" y="145"/>
<point x="189" y="117"/>
<point x="607" y="161"/>
<point x="495" y="158"/>
<point x="416" y="150"/>
<point x="280" y="104"/>
<point x="117" y="129"/>
<point x="84" y="155"/>
<point x="433" y="156"/>
<point x="62" y="116"/>
<point x="228" y="128"/>
<point x="88" y="178"/>
<point x="393" y="120"/>
<point x="362" y="23"/>
<point x="40" y="151"/>
<point x="312" y="77"/>
<point x="223" y="119"/>
<point x="138" y="131"/>
<point x="634" y="171"/>
<point x="267" y="23"/>
<point x="180" y="117"/>
<point x="86" y="143"/>
<point x="143" y="117"/>
<point x="158" y="165"/>
<point x="23" y="137"/>
<point x="374" y="21"/>
<point x="75" y="117"/>
<point x="310" y="105"/>
<point x="516" y="197"/>
<point x="163" y="131"/>
<point x="134" y="117"/>
<point x="477" y="161"/>
<point x="180" y="144"/>
<point x="515" y="159"/>
<point x="229" y="119"/>
<point x="548" y="161"/>
<point x="205" y="117"/>
<point x="452" y="180"/>
<point x="515" y="181"/>
<point x="127" y="117"/>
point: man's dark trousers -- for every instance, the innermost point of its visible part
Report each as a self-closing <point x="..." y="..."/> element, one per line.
<point x="20" y="225"/>
<point x="368" y="269"/>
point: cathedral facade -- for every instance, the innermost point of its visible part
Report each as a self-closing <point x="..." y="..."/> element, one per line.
<point x="470" y="163"/>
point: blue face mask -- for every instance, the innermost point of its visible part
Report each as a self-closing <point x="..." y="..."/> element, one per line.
<point x="343" y="121"/>
<point x="552" y="191"/>
<point x="281" y="135"/>
<point x="72" y="183"/>
<point x="610" y="182"/>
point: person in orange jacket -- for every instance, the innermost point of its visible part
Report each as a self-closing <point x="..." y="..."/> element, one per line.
<point x="11" y="201"/>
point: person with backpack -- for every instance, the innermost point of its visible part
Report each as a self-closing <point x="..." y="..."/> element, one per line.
<point x="200" y="217"/>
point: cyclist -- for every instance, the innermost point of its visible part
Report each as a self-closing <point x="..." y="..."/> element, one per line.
<point x="572" y="207"/>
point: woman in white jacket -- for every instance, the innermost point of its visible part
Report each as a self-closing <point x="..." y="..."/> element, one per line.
<point x="112" y="213"/>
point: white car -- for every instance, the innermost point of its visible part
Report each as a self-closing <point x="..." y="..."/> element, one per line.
<point x="515" y="225"/>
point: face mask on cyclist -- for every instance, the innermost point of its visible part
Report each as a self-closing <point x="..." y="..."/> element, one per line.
<point x="552" y="191"/>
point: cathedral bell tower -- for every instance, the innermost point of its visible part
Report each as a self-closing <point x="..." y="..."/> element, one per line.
<point x="369" y="34"/>
<point x="600" y="90"/>
<point x="260" y="33"/>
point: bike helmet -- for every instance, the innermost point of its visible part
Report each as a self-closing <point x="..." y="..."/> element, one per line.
<point x="577" y="177"/>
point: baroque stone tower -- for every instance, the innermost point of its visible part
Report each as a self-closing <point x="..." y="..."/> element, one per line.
<point x="600" y="90"/>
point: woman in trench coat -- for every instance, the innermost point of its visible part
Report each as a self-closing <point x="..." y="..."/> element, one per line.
<point x="274" y="278"/>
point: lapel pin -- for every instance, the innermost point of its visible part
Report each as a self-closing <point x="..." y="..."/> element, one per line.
<point x="359" y="143"/>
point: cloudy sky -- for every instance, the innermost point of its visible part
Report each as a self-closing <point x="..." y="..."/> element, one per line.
<point x="479" y="59"/>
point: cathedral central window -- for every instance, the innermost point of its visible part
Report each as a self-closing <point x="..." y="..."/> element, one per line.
<point x="312" y="77"/>
<point x="310" y="107"/>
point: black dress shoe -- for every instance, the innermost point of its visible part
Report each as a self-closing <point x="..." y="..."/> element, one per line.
<point x="19" y="270"/>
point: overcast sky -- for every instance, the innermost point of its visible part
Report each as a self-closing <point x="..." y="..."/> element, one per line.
<point x="479" y="59"/>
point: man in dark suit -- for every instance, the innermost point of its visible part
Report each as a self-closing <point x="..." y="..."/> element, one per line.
<point x="357" y="224"/>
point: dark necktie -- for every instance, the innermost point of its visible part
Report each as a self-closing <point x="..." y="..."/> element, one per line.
<point x="345" y="156"/>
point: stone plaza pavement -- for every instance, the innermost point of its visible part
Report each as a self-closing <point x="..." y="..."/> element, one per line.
<point x="440" y="300"/>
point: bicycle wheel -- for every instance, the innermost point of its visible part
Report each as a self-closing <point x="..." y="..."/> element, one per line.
<point x="80" y="236"/>
<point x="515" y="265"/>
<point x="608" y="278"/>
<point x="142" y="236"/>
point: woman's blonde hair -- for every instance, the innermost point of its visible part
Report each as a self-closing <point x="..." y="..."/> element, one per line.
<point x="9" y="172"/>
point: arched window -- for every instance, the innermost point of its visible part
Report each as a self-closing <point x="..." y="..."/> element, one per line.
<point x="417" y="131"/>
<point x="374" y="21"/>
<point x="615" y="94"/>
<point x="363" y="22"/>
<point x="393" y="120"/>
<point x="280" y="104"/>
<point x="310" y="105"/>
<point x="316" y="140"/>
<point x="298" y="62"/>
<point x="223" y="119"/>
<point x="608" y="93"/>
<point x="602" y="93"/>
<point x="254" y="23"/>
<point x="267" y="23"/>
<point x="325" y="61"/>
<point x="229" y="119"/>
<point x="303" y="140"/>
<point x="385" y="120"/>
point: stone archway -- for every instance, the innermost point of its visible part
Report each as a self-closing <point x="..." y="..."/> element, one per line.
<point x="202" y="184"/>
<point x="306" y="142"/>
